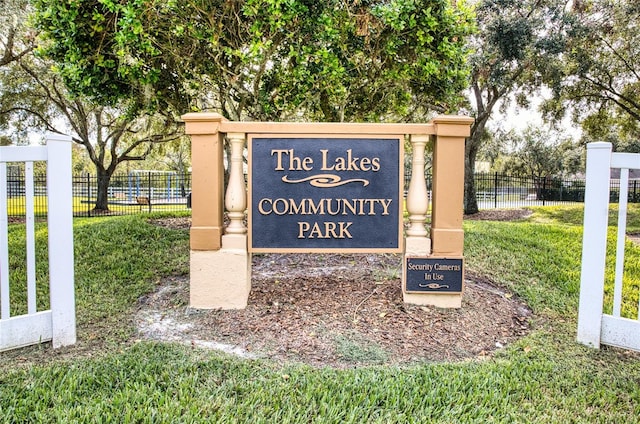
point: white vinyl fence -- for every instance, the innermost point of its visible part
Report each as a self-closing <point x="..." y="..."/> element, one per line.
<point x="58" y="323"/>
<point x="595" y="327"/>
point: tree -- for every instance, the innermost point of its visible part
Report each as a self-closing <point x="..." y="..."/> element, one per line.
<point x="173" y="156"/>
<point x="597" y="77"/>
<point x="5" y="140"/>
<point x="33" y="96"/>
<point x="15" y="40"/>
<point x="80" y="162"/>
<point x="335" y="60"/>
<point x="541" y="153"/>
<point x="611" y="125"/>
<point x="513" y="40"/>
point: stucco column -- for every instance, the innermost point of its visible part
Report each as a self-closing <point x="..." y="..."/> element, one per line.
<point x="219" y="263"/>
<point x="207" y="179"/>
<point x="447" y="235"/>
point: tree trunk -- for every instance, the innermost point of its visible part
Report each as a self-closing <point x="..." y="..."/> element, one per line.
<point x="102" y="199"/>
<point x="471" y="147"/>
<point x="470" y="200"/>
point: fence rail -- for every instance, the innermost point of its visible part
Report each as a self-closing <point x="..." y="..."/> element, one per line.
<point x="167" y="191"/>
<point x="127" y="194"/>
<point x="496" y="190"/>
<point x="25" y="319"/>
<point x="620" y="326"/>
<point x="135" y="192"/>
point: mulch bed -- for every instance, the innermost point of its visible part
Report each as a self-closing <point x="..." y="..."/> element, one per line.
<point x="341" y="311"/>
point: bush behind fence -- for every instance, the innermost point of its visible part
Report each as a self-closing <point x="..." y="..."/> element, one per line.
<point x="165" y="191"/>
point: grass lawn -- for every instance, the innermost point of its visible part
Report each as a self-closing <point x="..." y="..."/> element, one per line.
<point x="107" y="377"/>
<point x="16" y="206"/>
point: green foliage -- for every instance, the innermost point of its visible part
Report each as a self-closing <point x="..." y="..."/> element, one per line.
<point x="608" y="124"/>
<point x="15" y="42"/>
<point x="33" y="98"/>
<point x="513" y="37"/>
<point x="539" y="152"/>
<point x="513" y="41"/>
<point x="262" y="59"/>
<point x="596" y="77"/>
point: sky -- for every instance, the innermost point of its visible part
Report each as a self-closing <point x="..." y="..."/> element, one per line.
<point x="517" y="119"/>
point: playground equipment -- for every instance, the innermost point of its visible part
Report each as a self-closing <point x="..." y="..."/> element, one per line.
<point x="163" y="186"/>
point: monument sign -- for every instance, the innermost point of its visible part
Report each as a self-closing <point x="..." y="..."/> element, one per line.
<point x="325" y="187"/>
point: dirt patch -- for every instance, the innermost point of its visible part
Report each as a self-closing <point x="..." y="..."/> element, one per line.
<point x="500" y="215"/>
<point x="337" y="310"/>
<point x="182" y="223"/>
<point x="340" y="311"/>
<point x="635" y="237"/>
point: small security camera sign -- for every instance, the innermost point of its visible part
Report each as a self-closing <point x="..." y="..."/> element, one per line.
<point x="429" y="274"/>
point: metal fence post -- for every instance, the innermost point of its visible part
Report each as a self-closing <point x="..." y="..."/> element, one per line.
<point x="88" y="194"/>
<point x="495" y="191"/>
<point x="150" y="190"/>
<point x="130" y="187"/>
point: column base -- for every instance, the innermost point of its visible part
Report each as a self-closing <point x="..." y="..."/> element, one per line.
<point x="418" y="246"/>
<point x="427" y="299"/>
<point x="220" y="279"/>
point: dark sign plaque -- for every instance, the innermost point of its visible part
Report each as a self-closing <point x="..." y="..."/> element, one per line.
<point x="313" y="194"/>
<point x="433" y="275"/>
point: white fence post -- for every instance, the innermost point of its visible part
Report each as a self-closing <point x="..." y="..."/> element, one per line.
<point x="60" y="224"/>
<point x="594" y="243"/>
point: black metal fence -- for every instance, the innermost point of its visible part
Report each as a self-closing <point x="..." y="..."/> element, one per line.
<point x="136" y="192"/>
<point x="152" y="191"/>
<point x="16" y="201"/>
<point x="494" y="190"/>
<point x="498" y="190"/>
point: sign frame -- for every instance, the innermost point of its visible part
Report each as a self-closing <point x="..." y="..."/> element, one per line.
<point x="399" y="208"/>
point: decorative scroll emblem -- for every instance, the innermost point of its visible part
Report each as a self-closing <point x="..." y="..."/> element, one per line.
<point x="434" y="286"/>
<point x="326" y="180"/>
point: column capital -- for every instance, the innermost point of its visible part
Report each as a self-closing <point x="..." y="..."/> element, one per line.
<point x="452" y="126"/>
<point x="202" y="122"/>
<point x="420" y="138"/>
<point x="236" y="136"/>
